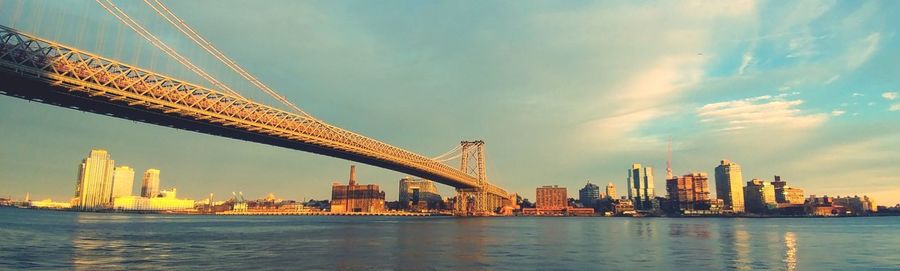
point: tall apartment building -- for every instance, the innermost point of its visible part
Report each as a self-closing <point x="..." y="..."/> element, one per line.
<point x="729" y="186"/>
<point x="93" y="188"/>
<point x="123" y="182"/>
<point x="640" y="187"/>
<point x="611" y="191"/>
<point x="150" y="184"/>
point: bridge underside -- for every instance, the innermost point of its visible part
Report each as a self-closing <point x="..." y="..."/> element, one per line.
<point x="16" y="85"/>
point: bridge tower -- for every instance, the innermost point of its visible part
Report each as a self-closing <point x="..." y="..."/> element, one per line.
<point x="473" y="201"/>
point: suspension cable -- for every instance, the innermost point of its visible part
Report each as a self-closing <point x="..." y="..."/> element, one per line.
<point x="458" y="155"/>
<point x="140" y="30"/>
<point x="350" y="136"/>
<point x="178" y="23"/>
<point x="451" y="151"/>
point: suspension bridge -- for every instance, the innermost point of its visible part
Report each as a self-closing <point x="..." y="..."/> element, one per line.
<point x="49" y="72"/>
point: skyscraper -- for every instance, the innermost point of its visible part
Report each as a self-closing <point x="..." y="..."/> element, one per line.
<point x="611" y="191"/>
<point x="123" y="181"/>
<point x="729" y="186"/>
<point x="94" y="186"/>
<point x="640" y="187"/>
<point x="150" y="184"/>
<point x="589" y="195"/>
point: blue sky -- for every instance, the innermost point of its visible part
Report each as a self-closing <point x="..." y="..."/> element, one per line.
<point x="562" y="92"/>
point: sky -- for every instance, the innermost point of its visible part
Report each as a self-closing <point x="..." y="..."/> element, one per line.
<point x="563" y="92"/>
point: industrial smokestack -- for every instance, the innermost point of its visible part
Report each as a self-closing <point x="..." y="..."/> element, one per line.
<point x="352" y="174"/>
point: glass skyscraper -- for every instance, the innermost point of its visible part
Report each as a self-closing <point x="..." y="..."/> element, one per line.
<point x="94" y="185"/>
<point x="640" y="187"/>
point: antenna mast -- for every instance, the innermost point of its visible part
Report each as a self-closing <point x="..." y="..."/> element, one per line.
<point x="669" y="162"/>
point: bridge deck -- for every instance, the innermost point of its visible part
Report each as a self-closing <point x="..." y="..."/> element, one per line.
<point x="41" y="70"/>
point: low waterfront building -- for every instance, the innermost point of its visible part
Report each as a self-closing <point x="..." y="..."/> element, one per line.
<point x="49" y="204"/>
<point x="167" y="201"/>
<point x="824" y="206"/>
<point x="354" y="198"/>
<point x="550" y="197"/>
<point x="623" y="207"/>
<point x="856" y="205"/>
<point x="790" y="195"/>
<point x="553" y="201"/>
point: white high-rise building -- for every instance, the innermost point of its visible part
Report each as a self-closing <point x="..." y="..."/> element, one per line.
<point x="123" y="181"/>
<point x="93" y="189"/>
<point x="611" y="191"/>
<point x="640" y="186"/>
<point x="729" y="186"/>
<point x="150" y="184"/>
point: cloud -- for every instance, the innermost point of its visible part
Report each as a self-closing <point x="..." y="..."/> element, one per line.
<point x="832" y="79"/>
<point x="756" y="112"/>
<point x="643" y="98"/>
<point x="894" y="107"/>
<point x="837" y="112"/>
<point x="890" y="95"/>
<point x="863" y="50"/>
<point x="745" y="62"/>
<point x="845" y="158"/>
<point x="857" y="94"/>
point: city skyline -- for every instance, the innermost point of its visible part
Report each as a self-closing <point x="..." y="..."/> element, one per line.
<point x="801" y="90"/>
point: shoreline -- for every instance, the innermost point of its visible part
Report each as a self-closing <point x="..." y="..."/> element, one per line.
<point x="400" y="214"/>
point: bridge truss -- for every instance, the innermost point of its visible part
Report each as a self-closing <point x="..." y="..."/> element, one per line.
<point x="42" y="70"/>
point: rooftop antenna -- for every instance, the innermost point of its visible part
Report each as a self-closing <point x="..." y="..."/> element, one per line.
<point x="669" y="161"/>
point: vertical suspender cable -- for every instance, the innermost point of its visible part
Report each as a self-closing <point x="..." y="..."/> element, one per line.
<point x="124" y="18"/>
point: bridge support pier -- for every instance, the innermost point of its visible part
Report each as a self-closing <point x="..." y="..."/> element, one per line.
<point x="476" y="201"/>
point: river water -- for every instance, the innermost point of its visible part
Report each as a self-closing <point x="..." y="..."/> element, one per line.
<point x="41" y="240"/>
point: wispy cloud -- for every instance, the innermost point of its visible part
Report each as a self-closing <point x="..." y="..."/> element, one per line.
<point x="745" y="62"/>
<point x="863" y="50"/>
<point x="894" y="107"/>
<point x="890" y="95"/>
<point x="838" y="112"/>
<point x="762" y="111"/>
